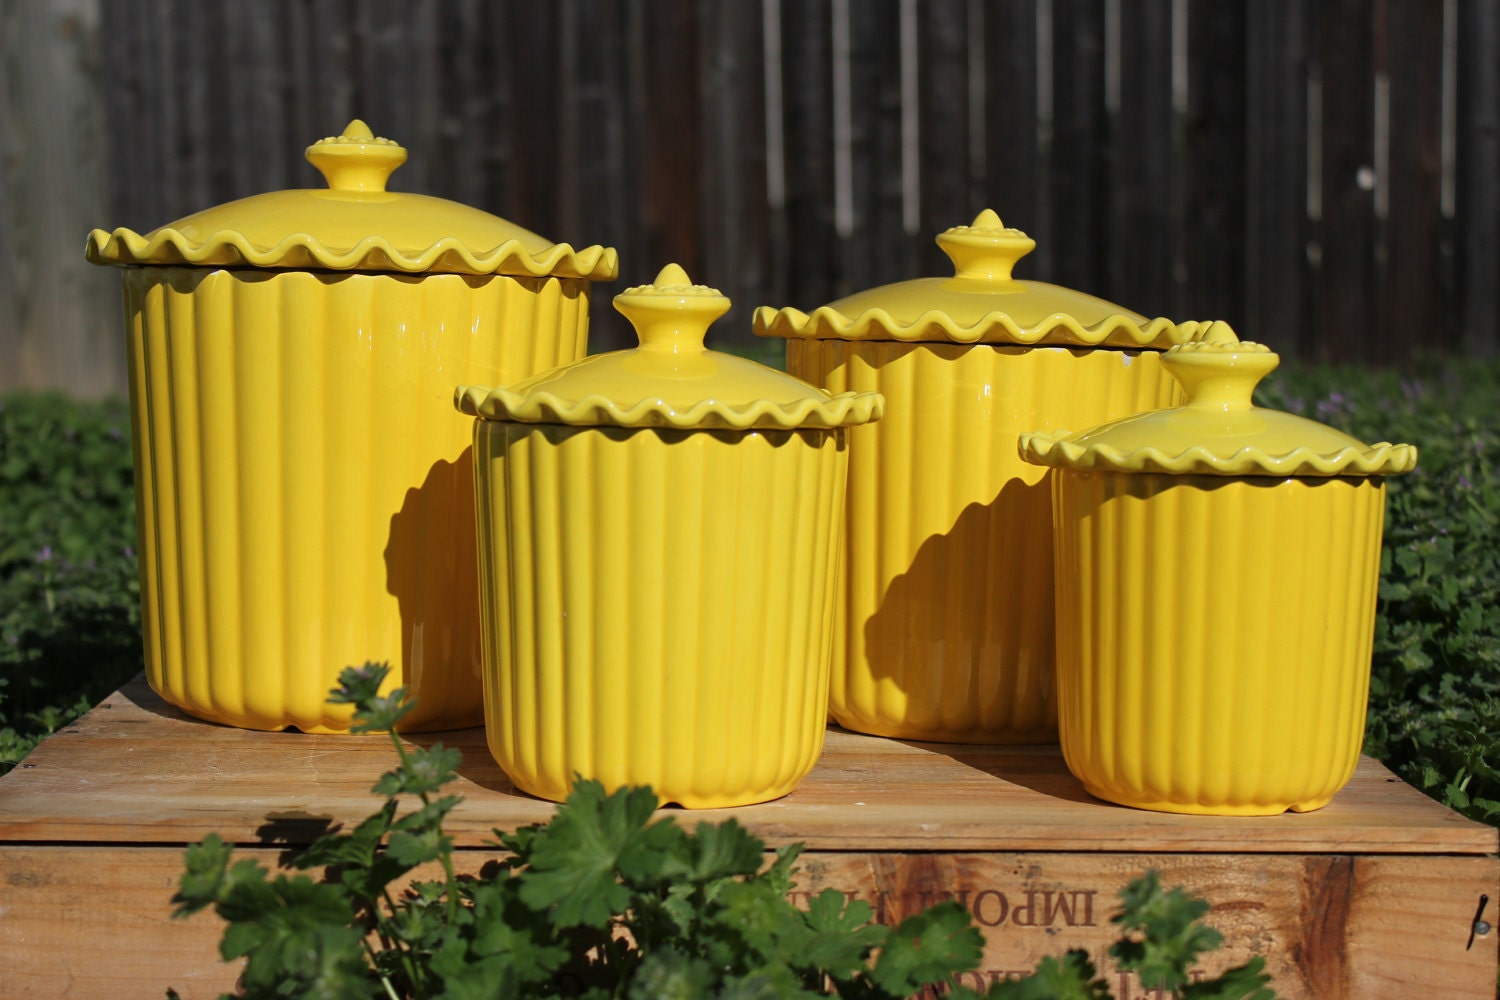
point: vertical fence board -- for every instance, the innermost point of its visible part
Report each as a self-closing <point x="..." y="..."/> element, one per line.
<point x="1145" y="164"/>
<point x="876" y="249"/>
<point x="329" y="52"/>
<point x="1078" y="194"/>
<point x="58" y="324"/>
<point x="671" y="194"/>
<point x="733" y="165"/>
<point x="806" y="67"/>
<point x="643" y="125"/>
<point x="1212" y="280"/>
<point x="1011" y="153"/>
<point x="1478" y="194"/>
<point x="531" y="37"/>
<point x="1275" y="205"/>
<point x="943" y="96"/>
<point x="1413" y="313"/>
<point x="1346" y="233"/>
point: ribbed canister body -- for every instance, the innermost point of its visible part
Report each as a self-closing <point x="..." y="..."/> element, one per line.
<point x="304" y="488"/>
<point x="658" y="605"/>
<point x="945" y="619"/>
<point x="1214" y="636"/>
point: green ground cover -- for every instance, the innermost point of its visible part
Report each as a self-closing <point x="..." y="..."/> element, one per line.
<point x="69" y="599"/>
<point x="70" y="629"/>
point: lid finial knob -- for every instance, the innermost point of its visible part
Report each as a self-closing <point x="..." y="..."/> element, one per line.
<point x="985" y="250"/>
<point x="672" y="313"/>
<point x="356" y="159"/>
<point x="1219" y="370"/>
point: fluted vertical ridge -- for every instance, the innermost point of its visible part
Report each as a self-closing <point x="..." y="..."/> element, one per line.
<point x="947" y="621"/>
<point x="304" y="483"/>
<point x="664" y="613"/>
<point x="1214" y="637"/>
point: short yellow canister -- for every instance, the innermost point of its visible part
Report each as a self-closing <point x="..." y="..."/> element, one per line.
<point x="660" y="531"/>
<point x="1217" y="566"/>
<point x="945" y="628"/>
<point x="304" y="488"/>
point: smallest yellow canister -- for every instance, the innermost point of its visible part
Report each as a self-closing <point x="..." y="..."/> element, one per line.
<point x="1216" y="566"/>
<point x="659" y="538"/>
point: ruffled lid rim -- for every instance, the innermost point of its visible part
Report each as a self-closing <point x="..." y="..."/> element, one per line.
<point x="845" y="409"/>
<point x="997" y="327"/>
<point x="166" y="247"/>
<point x="1056" y="451"/>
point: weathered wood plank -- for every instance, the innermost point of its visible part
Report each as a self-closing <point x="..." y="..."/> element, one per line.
<point x="137" y="771"/>
<point x="1332" y="927"/>
<point x="58" y="318"/>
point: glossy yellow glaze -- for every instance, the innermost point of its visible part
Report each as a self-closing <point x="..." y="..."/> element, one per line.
<point x="305" y="497"/>
<point x="353" y="224"/>
<point x="1217" y="567"/>
<point x="981" y="303"/>
<point x="945" y="630"/>
<point x="1214" y="636"/>
<point x="658" y="599"/>
<point x="1219" y="430"/>
<point x="304" y="489"/>
<point x="658" y="606"/>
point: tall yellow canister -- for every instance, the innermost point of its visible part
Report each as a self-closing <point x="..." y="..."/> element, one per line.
<point x="304" y="488"/>
<point x="945" y="628"/>
<point x="660" y="532"/>
<point x="1217" y="567"/>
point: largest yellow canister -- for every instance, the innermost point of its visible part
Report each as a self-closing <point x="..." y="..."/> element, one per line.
<point x="660" y="531"/>
<point x="945" y="628"/>
<point x="1217" y="568"/>
<point x="304" y="487"/>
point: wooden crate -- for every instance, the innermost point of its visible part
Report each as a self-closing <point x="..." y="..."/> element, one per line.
<point x="1374" y="896"/>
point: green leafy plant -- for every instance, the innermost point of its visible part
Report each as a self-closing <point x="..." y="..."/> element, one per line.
<point x="69" y="599"/>
<point x="605" y="902"/>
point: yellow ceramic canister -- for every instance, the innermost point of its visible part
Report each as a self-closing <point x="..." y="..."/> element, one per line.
<point x="945" y="628"/>
<point x="304" y="488"/>
<point x="1217" y="566"/>
<point x="660" y="531"/>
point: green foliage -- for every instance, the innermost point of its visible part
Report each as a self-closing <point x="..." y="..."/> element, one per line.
<point x="1435" y="686"/>
<point x="69" y="597"/>
<point x="604" y="901"/>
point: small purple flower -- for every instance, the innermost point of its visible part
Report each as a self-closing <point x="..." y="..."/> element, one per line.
<point x="45" y="555"/>
<point x="129" y="552"/>
<point x="1463" y="482"/>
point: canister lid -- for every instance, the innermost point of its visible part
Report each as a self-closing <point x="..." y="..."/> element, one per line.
<point x="671" y="379"/>
<point x="1219" y="431"/>
<point x="354" y="224"/>
<point x="980" y="304"/>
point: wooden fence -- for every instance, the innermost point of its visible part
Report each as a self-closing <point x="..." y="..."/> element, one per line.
<point x="1325" y="175"/>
